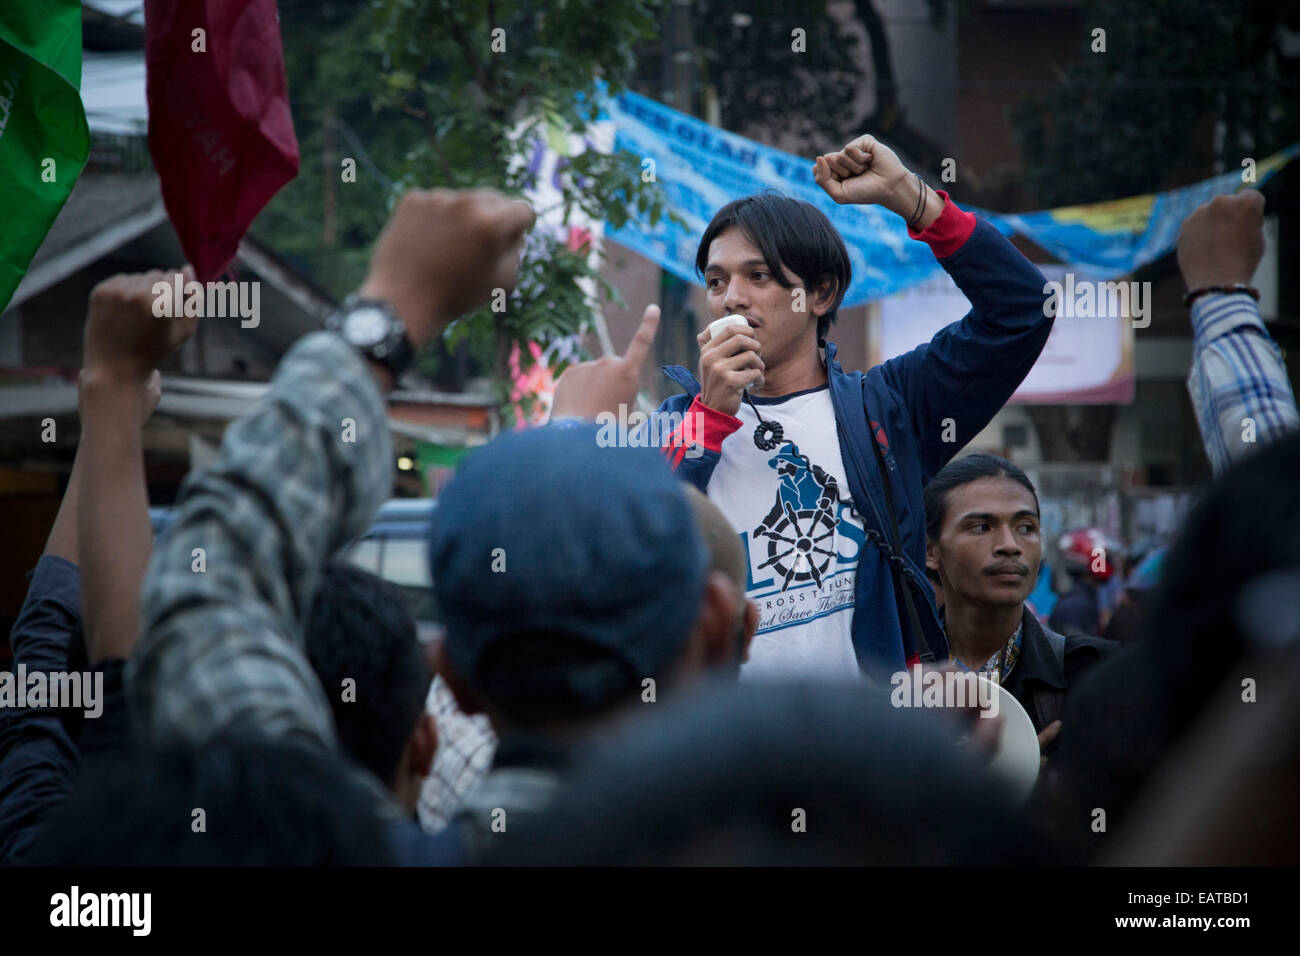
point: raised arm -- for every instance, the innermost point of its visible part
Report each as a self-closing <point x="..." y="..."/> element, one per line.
<point x="1238" y="383"/>
<point x="105" y="497"/>
<point x="124" y="345"/>
<point x="113" y="512"/>
<point x="295" y="479"/>
<point x="969" y="370"/>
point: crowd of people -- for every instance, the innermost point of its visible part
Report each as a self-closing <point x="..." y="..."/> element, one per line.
<point x="659" y="655"/>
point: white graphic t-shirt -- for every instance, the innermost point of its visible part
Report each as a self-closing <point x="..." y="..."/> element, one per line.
<point x="793" y="511"/>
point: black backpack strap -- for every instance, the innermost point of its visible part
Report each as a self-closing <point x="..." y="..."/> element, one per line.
<point x="1049" y="702"/>
<point x="895" y="559"/>
<point x="1057" y="643"/>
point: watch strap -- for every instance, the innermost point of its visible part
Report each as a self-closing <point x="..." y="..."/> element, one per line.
<point x="394" y="351"/>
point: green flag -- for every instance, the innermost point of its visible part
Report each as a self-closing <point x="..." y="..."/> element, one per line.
<point x="44" y="140"/>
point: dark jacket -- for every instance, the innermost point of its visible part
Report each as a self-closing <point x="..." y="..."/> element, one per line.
<point x="38" y="757"/>
<point x="1048" y="666"/>
<point x="527" y="774"/>
<point x="966" y="373"/>
<point x="1078" y="611"/>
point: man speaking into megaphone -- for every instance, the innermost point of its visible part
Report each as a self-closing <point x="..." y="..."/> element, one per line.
<point x="818" y="469"/>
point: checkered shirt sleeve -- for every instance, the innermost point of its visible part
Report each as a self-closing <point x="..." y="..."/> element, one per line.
<point x="466" y="746"/>
<point x="1237" y="374"/>
<point x="297" y="477"/>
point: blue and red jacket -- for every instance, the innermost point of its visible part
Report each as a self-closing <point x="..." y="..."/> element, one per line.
<point x="966" y="373"/>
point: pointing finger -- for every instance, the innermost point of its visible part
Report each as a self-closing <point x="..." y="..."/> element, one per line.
<point x="639" y="347"/>
<point x="517" y="217"/>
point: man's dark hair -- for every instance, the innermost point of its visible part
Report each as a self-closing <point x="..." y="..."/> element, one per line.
<point x="962" y="471"/>
<point x="538" y="675"/>
<point x="359" y="628"/>
<point x="264" y="803"/>
<point x="791" y="233"/>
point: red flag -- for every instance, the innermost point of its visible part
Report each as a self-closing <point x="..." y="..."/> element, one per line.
<point x="220" y="130"/>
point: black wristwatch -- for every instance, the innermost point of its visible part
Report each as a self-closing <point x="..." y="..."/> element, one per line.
<point x="372" y="328"/>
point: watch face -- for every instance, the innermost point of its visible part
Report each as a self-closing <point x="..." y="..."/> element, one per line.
<point x="364" y="327"/>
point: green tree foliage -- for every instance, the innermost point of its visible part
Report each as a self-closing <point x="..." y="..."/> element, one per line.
<point x="334" y="76"/>
<point x="1183" y="88"/>
<point x="487" y="79"/>
<point x="762" y="83"/>
<point x="746" y="59"/>
<point x="453" y="93"/>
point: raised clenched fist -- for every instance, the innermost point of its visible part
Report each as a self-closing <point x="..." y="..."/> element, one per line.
<point x="864" y="171"/>
<point x="125" y="336"/>
<point x="1222" y="241"/>
<point x="443" y="252"/>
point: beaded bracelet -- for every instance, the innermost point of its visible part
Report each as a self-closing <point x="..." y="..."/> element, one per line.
<point x="1225" y="289"/>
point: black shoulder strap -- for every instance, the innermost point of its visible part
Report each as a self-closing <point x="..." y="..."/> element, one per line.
<point x="896" y="559"/>
<point x="1049" y="701"/>
<point x="1057" y="643"/>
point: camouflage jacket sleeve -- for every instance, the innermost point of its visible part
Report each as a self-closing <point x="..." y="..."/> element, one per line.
<point x="232" y="579"/>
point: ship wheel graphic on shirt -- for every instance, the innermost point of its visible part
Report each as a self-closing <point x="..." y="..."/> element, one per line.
<point x="800" y="528"/>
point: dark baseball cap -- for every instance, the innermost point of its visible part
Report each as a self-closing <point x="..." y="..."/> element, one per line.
<point x="546" y="531"/>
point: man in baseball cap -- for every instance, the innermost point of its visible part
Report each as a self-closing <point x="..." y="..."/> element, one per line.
<point x="574" y="584"/>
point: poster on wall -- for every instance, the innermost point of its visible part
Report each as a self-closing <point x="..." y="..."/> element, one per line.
<point x="1088" y="359"/>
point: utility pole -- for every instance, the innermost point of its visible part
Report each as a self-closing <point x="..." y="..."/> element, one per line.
<point x="330" y="171"/>
<point x="675" y="343"/>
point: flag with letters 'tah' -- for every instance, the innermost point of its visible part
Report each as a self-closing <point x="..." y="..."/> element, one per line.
<point x="220" y="131"/>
